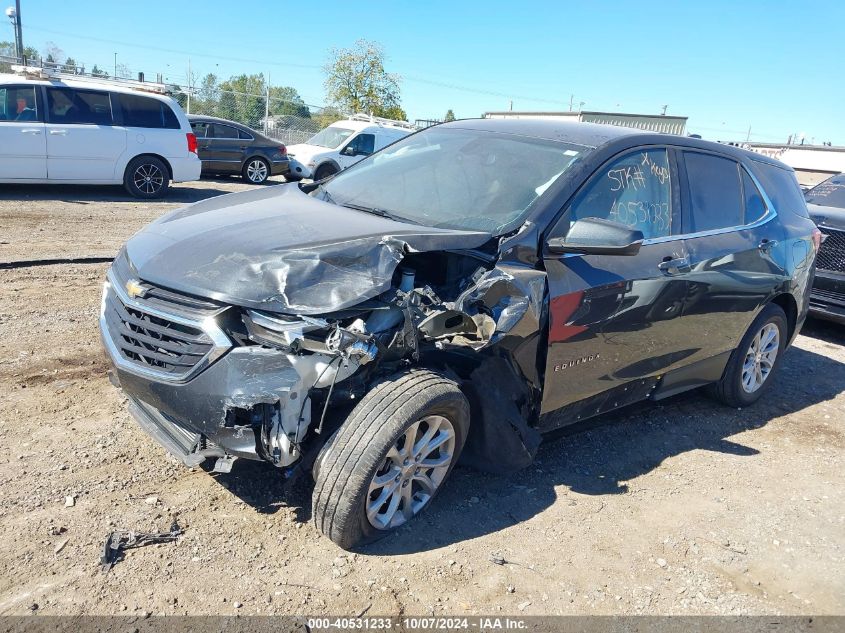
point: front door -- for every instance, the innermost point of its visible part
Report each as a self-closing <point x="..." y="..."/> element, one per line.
<point x="357" y="149"/>
<point x="616" y="323"/>
<point x="83" y="143"/>
<point x="23" y="146"/>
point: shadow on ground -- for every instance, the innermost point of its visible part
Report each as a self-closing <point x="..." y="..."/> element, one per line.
<point x="595" y="458"/>
<point x="83" y="194"/>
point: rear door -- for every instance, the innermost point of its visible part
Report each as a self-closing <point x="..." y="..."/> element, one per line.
<point x="226" y="150"/>
<point x="616" y="323"/>
<point x="736" y="250"/>
<point x="83" y="142"/>
<point x="23" y="145"/>
<point x="201" y="130"/>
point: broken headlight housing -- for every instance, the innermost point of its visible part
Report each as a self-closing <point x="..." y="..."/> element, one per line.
<point x="287" y="333"/>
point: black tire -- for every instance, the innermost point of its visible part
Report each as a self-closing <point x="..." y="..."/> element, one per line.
<point x="729" y="390"/>
<point x="256" y="170"/>
<point x="324" y="171"/>
<point x="146" y="177"/>
<point x="359" y="449"/>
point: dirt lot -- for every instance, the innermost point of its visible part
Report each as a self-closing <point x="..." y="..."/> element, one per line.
<point x="683" y="507"/>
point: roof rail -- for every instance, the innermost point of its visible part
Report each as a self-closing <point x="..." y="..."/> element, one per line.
<point x="54" y="74"/>
<point x="360" y="116"/>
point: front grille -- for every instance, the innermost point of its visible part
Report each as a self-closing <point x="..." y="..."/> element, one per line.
<point x="832" y="253"/>
<point x="162" y="333"/>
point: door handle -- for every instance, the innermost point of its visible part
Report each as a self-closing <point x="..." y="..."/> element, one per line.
<point x="30" y="131"/>
<point x="766" y="245"/>
<point x="58" y="132"/>
<point x="674" y="265"/>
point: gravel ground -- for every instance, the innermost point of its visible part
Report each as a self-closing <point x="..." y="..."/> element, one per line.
<point x="684" y="507"/>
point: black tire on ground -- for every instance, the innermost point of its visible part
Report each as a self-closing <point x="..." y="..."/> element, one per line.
<point x="324" y="171"/>
<point x="729" y="390"/>
<point x="359" y="450"/>
<point x="256" y="170"/>
<point x="146" y="177"/>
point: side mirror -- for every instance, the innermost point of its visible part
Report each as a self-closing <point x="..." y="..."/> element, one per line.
<point x="594" y="236"/>
<point x="349" y="150"/>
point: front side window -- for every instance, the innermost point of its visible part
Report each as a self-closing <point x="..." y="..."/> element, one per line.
<point x="18" y="104"/>
<point x="715" y="193"/>
<point x="363" y="144"/>
<point x="200" y="129"/>
<point x="140" y="111"/>
<point x="635" y="190"/>
<point x="223" y="131"/>
<point x="455" y="178"/>
<point x="331" y="137"/>
<point x="68" y="106"/>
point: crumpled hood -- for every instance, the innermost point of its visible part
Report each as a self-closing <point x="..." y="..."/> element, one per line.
<point x="304" y="152"/>
<point x="278" y="249"/>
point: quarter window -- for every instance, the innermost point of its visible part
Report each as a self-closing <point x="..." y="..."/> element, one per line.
<point x="715" y="193"/>
<point x="634" y="190"/>
<point x="755" y="207"/>
<point x="147" y="112"/>
<point x="18" y="104"/>
<point x="87" y="107"/>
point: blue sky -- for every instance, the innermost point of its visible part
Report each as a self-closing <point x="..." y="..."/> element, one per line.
<point x="726" y="65"/>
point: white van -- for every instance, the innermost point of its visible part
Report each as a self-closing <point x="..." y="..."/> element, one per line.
<point x="344" y="143"/>
<point x="78" y="131"/>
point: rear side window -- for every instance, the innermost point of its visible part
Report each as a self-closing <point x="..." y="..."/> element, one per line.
<point x="245" y="136"/>
<point x="222" y="131"/>
<point x="782" y="187"/>
<point x="715" y="198"/>
<point x="18" y="104"/>
<point x="146" y="112"/>
<point x="71" y="106"/>
<point x="634" y="190"/>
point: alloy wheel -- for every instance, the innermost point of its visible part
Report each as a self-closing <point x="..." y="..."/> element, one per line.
<point x="411" y="473"/>
<point x="760" y="358"/>
<point x="148" y="178"/>
<point x="256" y="171"/>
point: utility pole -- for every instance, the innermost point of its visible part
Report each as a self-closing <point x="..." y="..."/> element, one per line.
<point x="664" y="110"/>
<point x="267" y="106"/>
<point x="190" y="85"/>
<point x="571" y="101"/>
<point x="748" y="137"/>
<point x="115" y="65"/>
<point x="18" y="29"/>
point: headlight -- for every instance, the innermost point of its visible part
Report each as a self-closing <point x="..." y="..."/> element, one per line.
<point x="285" y="332"/>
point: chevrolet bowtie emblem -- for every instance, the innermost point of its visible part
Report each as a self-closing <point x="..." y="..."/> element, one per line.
<point x="134" y="288"/>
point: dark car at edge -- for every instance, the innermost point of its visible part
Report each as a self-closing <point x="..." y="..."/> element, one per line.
<point x="826" y="203"/>
<point x="460" y="293"/>
<point x="229" y="148"/>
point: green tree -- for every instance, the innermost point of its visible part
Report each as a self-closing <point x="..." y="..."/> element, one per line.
<point x="242" y="99"/>
<point x="96" y="72"/>
<point x="69" y="66"/>
<point x="327" y="116"/>
<point x="450" y="116"/>
<point x="285" y="100"/>
<point x="357" y="81"/>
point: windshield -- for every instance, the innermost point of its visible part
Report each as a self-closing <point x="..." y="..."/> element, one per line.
<point x="455" y="178"/>
<point x="331" y="137"/>
<point x="830" y="193"/>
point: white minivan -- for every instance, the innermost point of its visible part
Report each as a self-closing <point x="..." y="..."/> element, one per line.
<point x="343" y="144"/>
<point x="75" y="131"/>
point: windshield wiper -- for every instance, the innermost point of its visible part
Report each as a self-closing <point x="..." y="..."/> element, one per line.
<point x="374" y="210"/>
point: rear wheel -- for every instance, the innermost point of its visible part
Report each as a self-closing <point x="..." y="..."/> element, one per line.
<point x="390" y="457"/>
<point x="753" y="363"/>
<point x="146" y="177"/>
<point x="256" y="170"/>
<point x="324" y="171"/>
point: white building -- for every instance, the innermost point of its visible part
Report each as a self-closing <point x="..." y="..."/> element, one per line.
<point x="812" y="163"/>
<point x="652" y="122"/>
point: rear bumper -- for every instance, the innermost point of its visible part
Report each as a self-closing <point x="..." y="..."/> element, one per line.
<point x="185" y="168"/>
<point x="827" y="299"/>
<point x="279" y="168"/>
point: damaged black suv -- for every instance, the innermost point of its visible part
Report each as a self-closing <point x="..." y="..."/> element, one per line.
<point x="460" y="293"/>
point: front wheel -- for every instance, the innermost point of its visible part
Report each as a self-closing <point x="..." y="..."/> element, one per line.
<point x="256" y="171"/>
<point x="324" y="171"/>
<point x="390" y="457"/>
<point x="753" y="363"/>
<point x="146" y="177"/>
